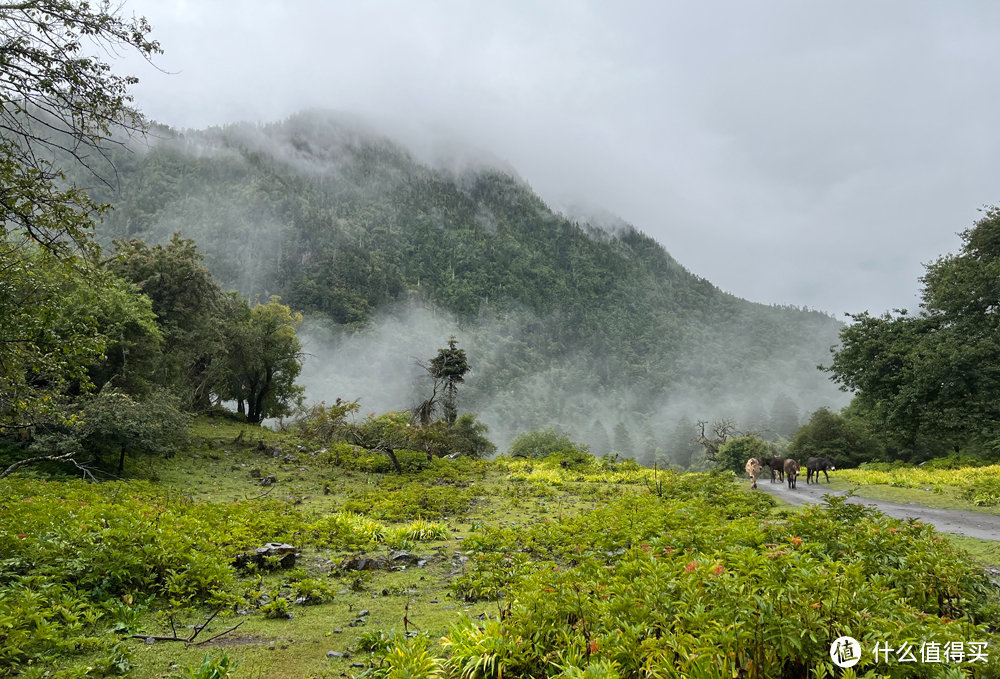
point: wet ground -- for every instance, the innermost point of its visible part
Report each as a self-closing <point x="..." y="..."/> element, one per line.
<point x="970" y="524"/>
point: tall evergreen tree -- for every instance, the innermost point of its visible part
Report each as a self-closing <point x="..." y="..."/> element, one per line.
<point x="449" y="368"/>
<point x="784" y="417"/>
<point x="681" y="445"/>
<point x="623" y="440"/>
<point x="600" y="444"/>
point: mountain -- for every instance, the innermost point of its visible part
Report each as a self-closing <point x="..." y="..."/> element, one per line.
<point x="566" y="323"/>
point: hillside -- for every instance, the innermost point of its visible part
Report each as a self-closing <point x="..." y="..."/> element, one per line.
<point x="389" y="256"/>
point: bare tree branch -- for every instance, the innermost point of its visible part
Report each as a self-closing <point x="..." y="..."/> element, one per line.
<point x="35" y="460"/>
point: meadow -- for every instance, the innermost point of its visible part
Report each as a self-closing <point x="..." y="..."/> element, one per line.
<point x="569" y="566"/>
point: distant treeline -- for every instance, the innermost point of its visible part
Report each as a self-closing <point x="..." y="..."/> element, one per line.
<point x="342" y="224"/>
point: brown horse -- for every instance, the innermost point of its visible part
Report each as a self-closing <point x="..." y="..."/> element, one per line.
<point x="791" y="472"/>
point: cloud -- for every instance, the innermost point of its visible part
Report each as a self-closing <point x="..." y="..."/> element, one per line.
<point x="788" y="152"/>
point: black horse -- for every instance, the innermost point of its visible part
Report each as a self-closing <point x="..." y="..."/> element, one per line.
<point x="815" y="465"/>
<point x="777" y="465"/>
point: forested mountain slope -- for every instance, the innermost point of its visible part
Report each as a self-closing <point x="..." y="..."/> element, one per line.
<point x="565" y="323"/>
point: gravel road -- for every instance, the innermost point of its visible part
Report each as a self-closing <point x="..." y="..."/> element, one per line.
<point x="970" y="524"/>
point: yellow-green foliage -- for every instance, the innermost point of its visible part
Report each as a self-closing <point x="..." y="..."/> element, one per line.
<point x="916" y="477"/>
<point x="555" y="471"/>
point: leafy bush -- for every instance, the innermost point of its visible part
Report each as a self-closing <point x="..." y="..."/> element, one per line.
<point x="110" y="542"/>
<point x="210" y="669"/>
<point x="468" y="437"/>
<point x="45" y="624"/>
<point x="417" y="531"/>
<point x="536" y="444"/>
<point x="312" y="591"/>
<point x="984" y="493"/>
<point x="906" y="476"/>
<point x="733" y="454"/>
<point x="957" y="461"/>
<point x="690" y="583"/>
<point x="277" y="608"/>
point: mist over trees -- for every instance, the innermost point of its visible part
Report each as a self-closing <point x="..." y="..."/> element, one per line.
<point x="560" y="319"/>
<point x="564" y="324"/>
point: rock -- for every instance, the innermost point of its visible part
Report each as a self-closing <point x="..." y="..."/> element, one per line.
<point x="268" y="481"/>
<point x="434" y="601"/>
<point x="403" y="557"/>
<point x="363" y="613"/>
<point x="357" y="664"/>
<point x="290" y="459"/>
<point x="337" y="630"/>
<point x="361" y="563"/>
<point x="335" y="654"/>
<point x="262" y="556"/>
<point x="255" y="473"/>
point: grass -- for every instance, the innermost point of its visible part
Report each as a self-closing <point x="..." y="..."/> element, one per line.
<point x="217" y="469"/>
<point x="225" y="464"/>
<point x="937" y="496"/>
<point x="986" y="552"/>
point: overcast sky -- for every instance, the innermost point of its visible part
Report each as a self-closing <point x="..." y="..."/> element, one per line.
<point x="793" y="152"/>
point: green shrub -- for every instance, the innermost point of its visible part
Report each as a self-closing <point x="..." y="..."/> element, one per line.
<point x="687" y="585"/>
<point x="312" y="591"/>
<point x="984" y="493"/>
<point x="210" y="669"/>
<point x="278" y="608"/>
<point x="537" y="444"/>
<point x="733" y="454"/>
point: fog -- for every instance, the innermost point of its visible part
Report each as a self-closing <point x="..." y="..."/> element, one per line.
<point x="808" y="154"/>
<point x="224" y="187"/>
<point x="381" y="366"/>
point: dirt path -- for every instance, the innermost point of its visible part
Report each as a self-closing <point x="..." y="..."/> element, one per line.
<point x="970" y="524"/>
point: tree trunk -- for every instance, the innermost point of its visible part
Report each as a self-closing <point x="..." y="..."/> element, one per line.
<point x="395" y="461"/>
<point x="121" y="460"/>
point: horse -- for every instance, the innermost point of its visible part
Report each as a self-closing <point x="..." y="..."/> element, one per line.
<point x="753" y="469"/>
<point x="791" y="472"/>
<point x="815" y="465"/>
